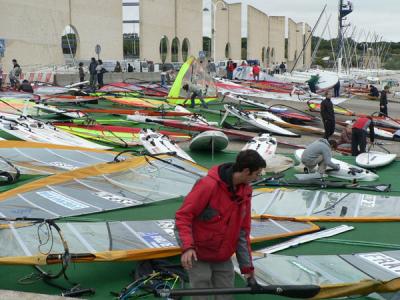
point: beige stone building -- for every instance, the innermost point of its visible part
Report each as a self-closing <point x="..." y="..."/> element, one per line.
<point x="276" y="46"/>
<point x="307" y="50"/>
<point x="32" y="30"/>
<point x="228" y="31"/>
<point x="180" y="22"/>
<point x="257" y="34"/>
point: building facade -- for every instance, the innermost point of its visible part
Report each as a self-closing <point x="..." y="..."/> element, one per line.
<point x="32" y="31"/>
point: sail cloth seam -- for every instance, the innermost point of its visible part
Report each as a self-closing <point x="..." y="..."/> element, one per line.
<point x="66" y="158"/>
<point x="81" y="238"/>
<point x="91" y="171"/>
<point x="73" y="199"/>
<point x="38" y="206"/>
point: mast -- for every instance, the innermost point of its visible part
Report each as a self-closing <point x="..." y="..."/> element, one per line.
<point x="344" y="10"/>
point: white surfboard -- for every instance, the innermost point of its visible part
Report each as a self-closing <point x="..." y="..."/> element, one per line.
<point x="210" y="140"/>
<point x="374" y="159"/>
<point x="266" y="146"/>
<point x="347" y="171"/>
<point x="156" y="143"/>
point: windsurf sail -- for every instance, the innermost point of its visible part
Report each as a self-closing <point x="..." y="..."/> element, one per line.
<point x="337" y="275"/>
<point x="119" y="135"/>
<point x="193" y="71"/>
<point x="47" y="159"/>
<point x="312" y="205"/>
<point x="114" y="241"/>
<point x="102" y="187"/>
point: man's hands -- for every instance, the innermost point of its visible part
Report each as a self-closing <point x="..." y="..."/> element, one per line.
<point x="187" y="258"/>
<point x="253" y="284"/>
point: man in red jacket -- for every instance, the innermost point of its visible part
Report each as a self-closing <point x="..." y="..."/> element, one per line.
<point x="214" y="222"/>
<point x="359" y="134"/>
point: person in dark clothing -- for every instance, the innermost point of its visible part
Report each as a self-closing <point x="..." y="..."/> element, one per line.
<point x="383" y="102"/>
<point x="26" y="87"/>
<point x="93" y="72"/>
<point x="81" y="72"/>
<point x="328" y="116"/>
<point x="336" y="89"/>
<point x="312" y="83"/>
<point x="359" y="135"/>
<point x="15" y="73"/>
<point x="214" y="222"/>
<point x="130" y="68"/>
<point x="373" y="91"/>
<point x="282" y="68"/>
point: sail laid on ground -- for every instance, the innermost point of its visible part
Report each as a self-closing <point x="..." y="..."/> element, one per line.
<point x="29" y="129"/>
<point x="195" y="72"/>
<point x="117" y="241"/>
<point x="337" y="275"/>
<point x="311" y="205"/>
<point x="48" y="159"/>
<point x="102" y="187"/>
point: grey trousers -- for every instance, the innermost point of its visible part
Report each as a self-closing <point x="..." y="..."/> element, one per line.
<point x="312" y="164"/>
<point x="212" y="275"/>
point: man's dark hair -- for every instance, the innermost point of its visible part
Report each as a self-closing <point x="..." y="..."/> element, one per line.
<point x="185" y="87"/>
<point x="14" y="60"/>
<point x="81" y="64"/>
<point x="250" y="159"/>
<point x="333" y="143"/>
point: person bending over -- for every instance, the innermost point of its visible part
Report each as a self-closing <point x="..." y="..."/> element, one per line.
<point x="319" y="153"/>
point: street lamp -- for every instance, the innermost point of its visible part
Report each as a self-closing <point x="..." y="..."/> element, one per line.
<point x="214" y="5"/>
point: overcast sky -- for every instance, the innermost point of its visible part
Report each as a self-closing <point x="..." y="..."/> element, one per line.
<point x="380" y="17"/>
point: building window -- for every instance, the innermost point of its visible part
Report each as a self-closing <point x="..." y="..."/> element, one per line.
<point x="175" y="50"/>
<point x="164" y="48"/>
<point x="69" y="41"/>
<point x="185" y="49"/>
<point x="228" y="50"/>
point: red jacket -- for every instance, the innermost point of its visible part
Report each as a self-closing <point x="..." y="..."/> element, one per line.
<point x="215" y="222"/>
<point x="256" y="70"/>
<point x="230" y="67"/>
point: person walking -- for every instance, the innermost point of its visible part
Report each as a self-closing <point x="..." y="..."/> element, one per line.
<point x="100" y="72"/>
<point x="81" y="72"/>
<point x="336" y="89"/>
<point x="93" y="72"/>
<point x="319" y="153"/>
<point x="359" y="134"/>
<point x="383" y="102"/>
<point x="130" y="68"/>
<point x="193" y="90"/>
<point x="256" y="72"/>
<point x="282" y="68"/>
<point x="230" y="67"/>
<point x="328" y="116"/>
<point x="214" y="222"/>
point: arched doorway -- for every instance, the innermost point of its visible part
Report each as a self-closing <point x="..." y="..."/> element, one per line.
<point x="185" y="49"/>
<point x="175" y="50"/>
<point x="69" y="41"/>
<point x="268" y="57"/>
<point x="273" y="55"/>
<point x="227" y="50"/>
<point x="263" y="55"/>
<point x="164" y="46"/>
